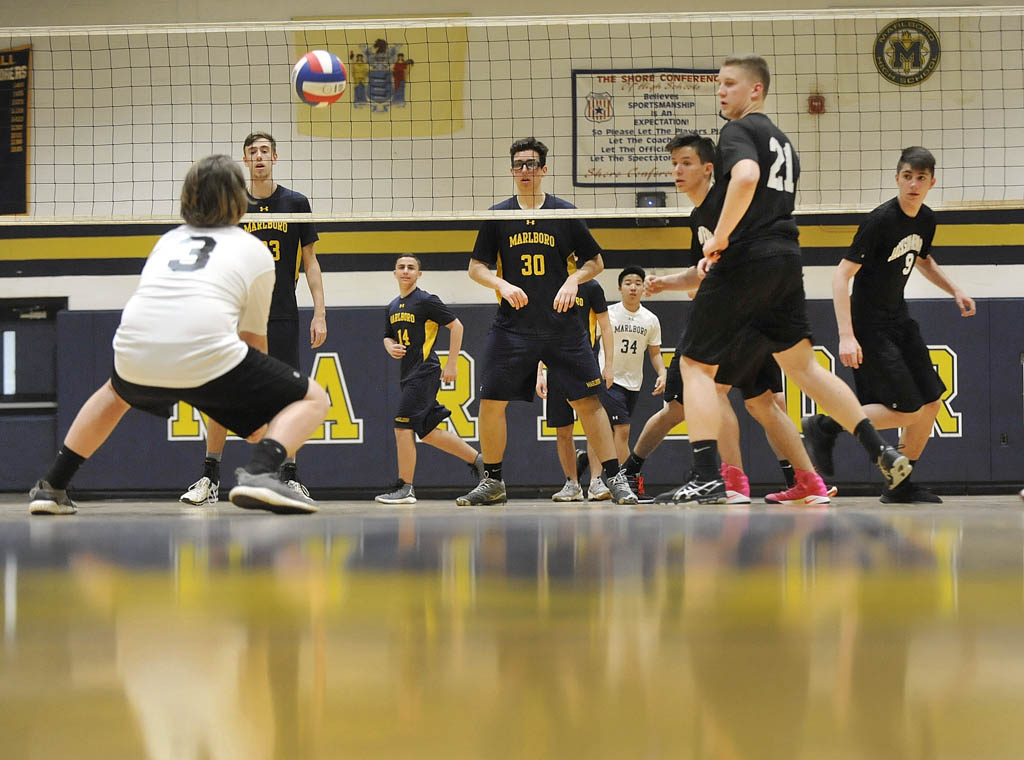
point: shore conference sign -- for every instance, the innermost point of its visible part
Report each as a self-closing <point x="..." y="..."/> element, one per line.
<point x="14" y="89"/>
<point x="623" y="118"/>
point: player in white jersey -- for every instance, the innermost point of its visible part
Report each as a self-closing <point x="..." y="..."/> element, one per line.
<point x="637" y="331"/>
<point x="196" y="330"/>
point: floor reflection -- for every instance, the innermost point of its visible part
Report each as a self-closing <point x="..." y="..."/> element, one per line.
<point x="688" y="635"/>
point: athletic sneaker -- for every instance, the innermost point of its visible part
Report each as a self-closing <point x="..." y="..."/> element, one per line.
<point x="297" y="487"/>
<point x="401" y="493"/>
<point x="636" y="485"/>
<point x="808" y="489"/>
<point x="820" y="443"/>
<point x="477" y="468"/>
<point x="598" y="491"/>
<point x="582" y="463"/>
<point x="908" y="492"/>
<point x="488" y="491"/>
<point x="571" y="491"/>
<point x="44" y="499"/>
<point x="266" y="491"/>
<point x="895" y="466"/>
<point x="618" y="489"/>
<point x="737" y="485"/>
<point x="695" y="490"/>
<point x="203" y="491"/>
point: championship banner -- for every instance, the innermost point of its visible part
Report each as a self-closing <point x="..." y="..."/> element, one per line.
<point x="622" y="119"/>
<point x="14" y="71"/>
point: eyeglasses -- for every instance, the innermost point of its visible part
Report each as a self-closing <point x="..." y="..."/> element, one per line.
<point x="530" y="165"/>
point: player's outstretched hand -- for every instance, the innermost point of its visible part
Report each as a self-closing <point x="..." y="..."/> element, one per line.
<point x="515" y="296"/>
<point x="653" y="285"/>
<point x="850" y="353"/>
<point x="565" y="298"/>
<point x="317" y="331"/>
<point x="966" y="304"/>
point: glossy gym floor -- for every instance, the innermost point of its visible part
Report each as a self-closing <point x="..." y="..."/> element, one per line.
<point x="144" y="630"/>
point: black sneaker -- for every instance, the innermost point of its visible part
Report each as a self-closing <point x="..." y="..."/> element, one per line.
<point x="636" y="485"/>
<point x="44" y="499"/>
<point x="488" y="491"/>
<point x="819" y="443"/>
<point x="582" y="464"/>
<point x="908" y="492"/>
<point x="695" y="490"/>
<point x="895" y="467"/>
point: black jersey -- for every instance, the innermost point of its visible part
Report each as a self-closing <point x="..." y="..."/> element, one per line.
<point x="413" y="321"/>
<point x="590" y="302"/>
<point x="703" y="220"/>
<point x="887" y="245"/>
<point x="285" y="241"/>
<point x="768" y="227"/>
<point x="533" y="253"/>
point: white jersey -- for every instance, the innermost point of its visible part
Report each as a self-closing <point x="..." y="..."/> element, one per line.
<point x="634" y="332"/>
<point x="199" y="287"/>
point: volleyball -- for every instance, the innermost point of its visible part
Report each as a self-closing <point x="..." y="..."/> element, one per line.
<point x="319" y="78"/>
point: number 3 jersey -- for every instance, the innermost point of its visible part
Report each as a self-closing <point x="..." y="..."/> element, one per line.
<point x="198" y="289"/>
<point x="887" y="245"/>
<point x="533" y="253"/>
<point x="767" y="228"/>
<point x="413" y="321"/>
<point x="285" y="241"/>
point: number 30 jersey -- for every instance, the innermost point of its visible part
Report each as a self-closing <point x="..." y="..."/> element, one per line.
<point x="413" y="322"/>
<point x="768" y="227"/>
<point x="198" y="289"/>
<point x="533" y="254"/>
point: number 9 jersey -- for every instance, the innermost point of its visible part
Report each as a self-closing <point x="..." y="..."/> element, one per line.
<point x="533" y="253"/>
<point x="768" y="227"/>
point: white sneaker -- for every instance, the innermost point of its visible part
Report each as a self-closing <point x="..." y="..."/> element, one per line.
<point x="203" y="491"/>
<point x="598" y="491"/>
<point x="571" y="491"/>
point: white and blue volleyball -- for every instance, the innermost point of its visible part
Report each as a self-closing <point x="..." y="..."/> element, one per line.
<point x="319" y="78"/>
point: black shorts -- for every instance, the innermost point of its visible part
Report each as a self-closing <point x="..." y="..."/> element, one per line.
<point x="418" y="407"/>
<point x="673" y="380"/>
<point x="751" y="368"/>
<point x="559" y="412"/>
<point x="283" y="341"/>
<point x="761" y="301"/>
<point x="510" y="365"/>
<point x="241" y="400"/>
<point x="619" y="403"/>
<point x="897" y="369"/>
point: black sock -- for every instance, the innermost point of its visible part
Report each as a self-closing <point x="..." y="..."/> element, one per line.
<point x="64" y="467"/>
<point x="211" y="468"/>
<point x="492" y="470"/>
<point x="705" y="459"/>
<point x="869" y="438"/>
<point x="267" y="456"/>
<point x="788" y="472"/>
<point x="610" y="468"/>
<point x="633" y="464"/>
<point x="829" y="425"/>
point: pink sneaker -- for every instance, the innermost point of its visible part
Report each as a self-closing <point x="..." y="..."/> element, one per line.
<point x="810" y="489"/>
<point x="737" y="487"/>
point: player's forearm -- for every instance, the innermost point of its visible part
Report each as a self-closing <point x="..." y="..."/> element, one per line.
<point x="455" y="339"/>
<point x="481" y="274"/>
<point x="740" y="192"/>
<point x="687" y="279"/>
<point x="935" y="275"/>
<point x="604" y="322"/>
<point x="657" y="360"/>
<point x="841" y="302"/>
<point x="591" y="268"/>
<point x="314" y="279"/>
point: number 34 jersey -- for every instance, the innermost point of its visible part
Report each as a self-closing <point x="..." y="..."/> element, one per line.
<point x="199" y="287"/>
<point x="413" y="322"/>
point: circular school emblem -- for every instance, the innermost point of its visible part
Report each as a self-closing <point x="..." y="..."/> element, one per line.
<point x="907" y="52"/>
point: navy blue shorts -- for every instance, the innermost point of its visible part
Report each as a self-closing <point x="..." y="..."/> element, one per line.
<point x="418" y="407"/>
<point x="619" y="403"/>
<point x="283" y="341"/>
<point x="897" y="370"/>
<point x="510" y="365"/>
<point x="241" y="399"/>
<point x="559" y="411"/>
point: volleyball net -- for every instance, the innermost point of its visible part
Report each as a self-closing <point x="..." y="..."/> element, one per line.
<point x="107" y="120"/>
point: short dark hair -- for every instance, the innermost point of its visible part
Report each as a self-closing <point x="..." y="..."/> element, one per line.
<point x="253" y="137"/>
<point x="704" y="147"/>
<point x="917" y="158"/>
<point x="213" y="194"/>
<point x="419" y="264"/>
<point x="632" y="269"/>
<point x="752" y="64"/>
<point x="530" y="143"/>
